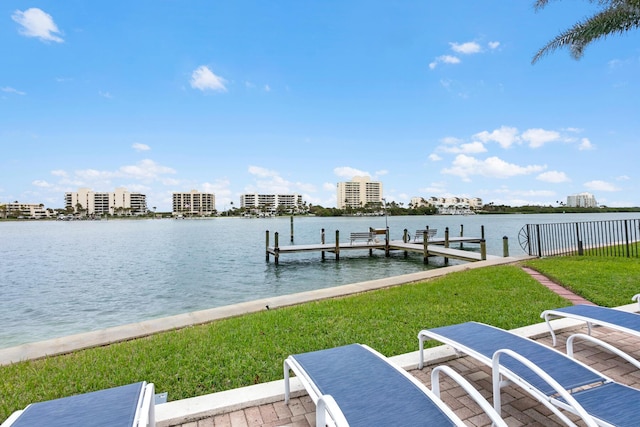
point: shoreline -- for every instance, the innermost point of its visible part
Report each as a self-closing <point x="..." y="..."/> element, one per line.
<point x="75" y="342"/>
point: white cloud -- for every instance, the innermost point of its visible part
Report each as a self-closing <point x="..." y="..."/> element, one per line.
<point x="270" y="181"/>
<point x="585" y="144"/>
<point x="140" y="147"/>
<point x="329" y="186"/>
<point x="434" y="157"/>
<point x="348" y="172"/>
<point x="505" y="136"/>
<point x="146" y="170"/>
<point x="37" y="23"/>
<point x="468" y="148"/>
<point x="42" y="184"/>
<point x="466" y="48"/>
<point x="203" y="79"/>
<point x="8" y="89"/>
<point x="493" y="167"/>
<point x="382" y="172"/>
<point x="493" y="45"/>
<point x="59" y="172"/>
<point x="267" y="88"/>
<point x="553" y="177"/>
<point x="444" y="59"/>
<point x="262" y="172"/>
<point x="623" y="178"/>
<point x="538" y="137"/>
<point x="105" y="95"/>
<point x="598" y="185"/>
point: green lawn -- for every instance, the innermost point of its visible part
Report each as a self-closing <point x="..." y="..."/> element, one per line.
<point x="250" y="349"/>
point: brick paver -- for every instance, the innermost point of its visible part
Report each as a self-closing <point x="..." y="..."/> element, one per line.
<point x="519" y="408"/>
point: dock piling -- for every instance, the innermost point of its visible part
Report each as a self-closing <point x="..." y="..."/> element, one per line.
<point x="322" y="241"/>
<point x="267" y="246"/>
<point x="483" y="250"/>
<point x="337" y="245"/>
<point x="276" y="249"/>
<point x="505" y="246"/>
<point x="291" y="228"/>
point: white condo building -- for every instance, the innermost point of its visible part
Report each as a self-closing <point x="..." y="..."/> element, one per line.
<point x="360" y="192"/>
<point x="582" y="200"/>
<point x="449" y="205"/>
<point x="27" y="210"/>
<point x="271" y="202"/>
<point x="194" y="203"/>
<point x="118" y="202"/>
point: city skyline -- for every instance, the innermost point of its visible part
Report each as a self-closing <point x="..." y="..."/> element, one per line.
<point x="248" y="97"/>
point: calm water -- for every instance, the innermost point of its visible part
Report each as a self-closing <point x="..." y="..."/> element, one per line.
<point x="59" y="278"/>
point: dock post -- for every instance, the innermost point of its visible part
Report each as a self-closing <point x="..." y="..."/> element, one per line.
<point x="405" y="239"/>
<point x="291" y="228"/>
<point x="446" y="244"/>
<point x="482" y="231"/>
<point x="371" y="230"/>
<point x="267" y="246"/>
<point x="461" y="234"/>
<point x="322" y="241"/>
<point x="505" y="246"/>
<point x="387" y="250"/>
<point x="483" y="250"/>
<point x="276" y="249"/>
<point x="425" y="249"/>
<point x="337" y="245"/>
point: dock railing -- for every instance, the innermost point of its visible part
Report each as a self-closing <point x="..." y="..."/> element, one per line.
<point x="617" y="238"/>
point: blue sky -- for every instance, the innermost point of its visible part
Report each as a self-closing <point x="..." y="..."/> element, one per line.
<point x="430" y="98"/>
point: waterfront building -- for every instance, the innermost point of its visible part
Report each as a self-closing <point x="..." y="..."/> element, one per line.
<point x="271" y="203"/>
<point x="449" y="205"/>
<point x="582" y="200"/>
<point x="194" y="203"/>
<point x="119" y="202"/>
<point x="26" y="210"/>
<point x="358" y="193"/>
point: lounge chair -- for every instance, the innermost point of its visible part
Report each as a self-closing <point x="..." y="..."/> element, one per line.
<point x="127" y="406"/>
<point x="555" y="379"/>
<point x="357" y="386"/>
<point x="593" y="314"/>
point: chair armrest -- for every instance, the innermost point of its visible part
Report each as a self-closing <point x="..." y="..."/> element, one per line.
<point x="568" y="398"/>
<point x="466" y="386"/>
<point x="327" y="406"/>
<point x="602" y="344"/>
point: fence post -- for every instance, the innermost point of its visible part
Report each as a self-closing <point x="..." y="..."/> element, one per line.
<point x="626" y="236"/>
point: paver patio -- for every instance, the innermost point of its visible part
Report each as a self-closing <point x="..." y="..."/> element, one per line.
<point x="519" y="409"/>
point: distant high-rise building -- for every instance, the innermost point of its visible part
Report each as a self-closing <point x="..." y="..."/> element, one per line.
<point x="582" y="200"/>
<point x="118" y="202"/>
<point x="360" y="192"/>
<point x="194" y="203"/>
<point x="271" y="202"/>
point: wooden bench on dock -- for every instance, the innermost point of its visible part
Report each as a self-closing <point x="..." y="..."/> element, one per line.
<point x="369" y="236"/>
<point x="419" y="236"/>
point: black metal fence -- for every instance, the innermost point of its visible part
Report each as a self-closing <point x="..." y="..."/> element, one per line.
<point x="605" y="238"/>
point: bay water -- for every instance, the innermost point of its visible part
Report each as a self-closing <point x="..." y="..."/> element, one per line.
<point x="64" y="277"/>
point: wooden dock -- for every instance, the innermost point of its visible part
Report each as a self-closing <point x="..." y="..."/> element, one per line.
<point x="434" y="247"/>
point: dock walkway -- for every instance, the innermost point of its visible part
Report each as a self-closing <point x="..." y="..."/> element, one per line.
<point x="435" y="247"/>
